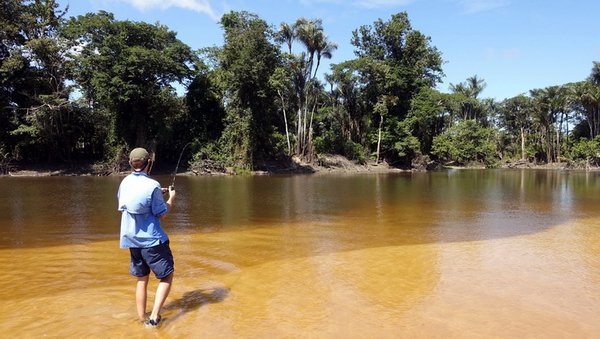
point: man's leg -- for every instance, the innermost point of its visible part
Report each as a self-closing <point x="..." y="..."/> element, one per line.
<point x="162" y="292"/>
<point x="140" y="296"/>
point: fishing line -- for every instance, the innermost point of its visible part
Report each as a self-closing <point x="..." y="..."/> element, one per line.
<point x="178" y="161"/>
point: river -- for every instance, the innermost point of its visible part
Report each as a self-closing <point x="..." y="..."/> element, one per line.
<point x="458" y="253"/>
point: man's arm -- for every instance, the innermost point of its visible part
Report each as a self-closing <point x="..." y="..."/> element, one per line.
<point x="169" y="201"/>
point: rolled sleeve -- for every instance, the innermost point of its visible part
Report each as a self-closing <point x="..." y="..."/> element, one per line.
<point x="159" y="206"/>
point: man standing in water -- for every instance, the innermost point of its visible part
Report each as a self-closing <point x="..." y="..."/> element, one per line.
<point x="142" y="204"/>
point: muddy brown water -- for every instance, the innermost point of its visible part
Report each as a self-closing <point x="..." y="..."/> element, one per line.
<point x="472" y="253"/>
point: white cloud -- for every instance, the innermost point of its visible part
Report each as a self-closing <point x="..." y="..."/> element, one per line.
<point x="476" y="6"/>
<point x="200" y="6"/>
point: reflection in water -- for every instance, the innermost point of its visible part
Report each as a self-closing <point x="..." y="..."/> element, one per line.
<point x="459" y="253"/>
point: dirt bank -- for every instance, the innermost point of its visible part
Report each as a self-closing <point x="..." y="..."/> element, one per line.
<point x="322" y="165"/>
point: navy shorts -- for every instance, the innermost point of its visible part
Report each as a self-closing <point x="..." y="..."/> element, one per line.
<point x="159" y="259"/>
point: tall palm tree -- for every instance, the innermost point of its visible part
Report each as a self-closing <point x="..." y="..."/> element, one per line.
<point x="310" y="34"/>
<point x="304" y="68"/>
<point x="471" y="107"/>
<point x="324" y="50"/>
<point x="516" y="115"/>
<point x="475" y="86"/>
<point x="595" y="75"/>
<point x="551" y="107"/>
<point x="586" y="98"/>
<point x="286" y="34"/>
<point x="470" y="88"/>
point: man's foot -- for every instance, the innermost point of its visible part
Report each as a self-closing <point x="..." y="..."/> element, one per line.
<point x="152" y="323"/>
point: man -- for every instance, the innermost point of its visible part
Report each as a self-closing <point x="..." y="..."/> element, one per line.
<point x="142" y="205"/>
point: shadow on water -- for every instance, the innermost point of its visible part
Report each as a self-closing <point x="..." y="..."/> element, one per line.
<point x="393" y="209"/>
<point x="193" y="300"/>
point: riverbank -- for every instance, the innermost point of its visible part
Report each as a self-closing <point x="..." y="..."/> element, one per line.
<point x="322" y="165"/>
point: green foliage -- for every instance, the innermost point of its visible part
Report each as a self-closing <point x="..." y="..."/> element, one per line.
<point x="332" y="143"/>
<point x="398" y="146"/>
<point x="38" y="121"/>
<point x="248" y="61"/>
<point x="465" y="143"/>
<point x="587" y="150"/>
<point x="209" y="158"/>
<point x="301" y="71"/>
<point x="328" y="143"/>
<point x="406" y="146"/>
<point x="128" y="68"/>
<point x="354" y="151"/>
<point x="399" y="60"/>
<point x="426" y="117"/>
<point x="332" y="137"/>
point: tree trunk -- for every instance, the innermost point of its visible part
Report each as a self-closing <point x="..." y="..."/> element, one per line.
<point x="379" y="138"/>
<point x="287" y="133"/>
<point x="522" y="143"/>
<point x="298" y="133"/>
<point x="558" y="145"/>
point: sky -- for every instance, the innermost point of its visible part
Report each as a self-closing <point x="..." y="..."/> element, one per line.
<point x="514" y="45"/>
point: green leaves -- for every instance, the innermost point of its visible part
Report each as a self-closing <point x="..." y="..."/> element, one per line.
<point x="129" y="68"/>
<point x="247" y="64"/>
<point x="466" y="143"/>
<point x="400" y="60"/>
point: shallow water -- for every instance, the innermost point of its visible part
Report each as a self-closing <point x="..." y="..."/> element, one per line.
<point x="494" y="253"/>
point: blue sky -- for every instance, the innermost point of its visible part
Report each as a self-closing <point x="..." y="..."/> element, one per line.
<point x="514" y="45"/>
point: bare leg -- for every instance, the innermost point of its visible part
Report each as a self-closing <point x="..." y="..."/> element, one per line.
<point x="162" y="292"/>
<point x="140" y="296"/>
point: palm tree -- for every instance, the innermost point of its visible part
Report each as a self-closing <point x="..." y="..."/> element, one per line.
<point x="286" y="34"/>
<point x="304" y="69"/>
<point x="475" y="86"/>
<point x="470" y="88"/>
<point x="310" y="34"/>
<point x="471" y="107"/>
<point x="324" y="50"/>
<point x="595" y="75"/>
<point x="516" y="114"/>
<point x="551" y="108"/>
<point x="586" y="99"/>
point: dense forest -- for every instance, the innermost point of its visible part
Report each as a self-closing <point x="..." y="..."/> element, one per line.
<point x="87" y="89"/>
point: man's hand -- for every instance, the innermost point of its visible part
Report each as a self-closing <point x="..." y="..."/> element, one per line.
<point x="172" y="192"/>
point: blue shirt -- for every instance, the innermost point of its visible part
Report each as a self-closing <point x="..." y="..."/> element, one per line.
<point x="141" y="203"/>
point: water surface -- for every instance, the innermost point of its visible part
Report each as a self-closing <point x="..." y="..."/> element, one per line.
<point x="494" y="253"/>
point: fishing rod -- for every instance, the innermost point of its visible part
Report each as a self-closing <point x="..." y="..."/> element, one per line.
<point x="177" y="167"/>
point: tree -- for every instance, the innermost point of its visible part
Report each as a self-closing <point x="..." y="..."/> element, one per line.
<point x="466" y="142"/>
<point x="594" y="77"/>
<point x="248" y="62"/>
<point x="394" y="61"/>
<point x="129" y="69"/>
<point x="204" y="112"/>
<point x="427" y="117"/>
<point x="550" y="108"/>
<point x="467" y="95"/>
<point x="304" y="66"/>
<point x="412" y="62"/>
<point x="585" y="99"/>
<point x="516" y="118"/>
<point x="38" y="119"/>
